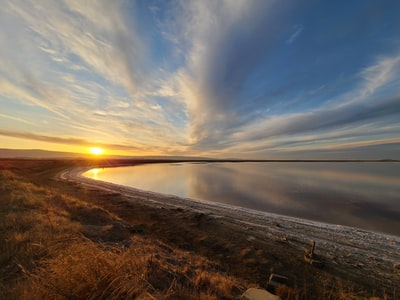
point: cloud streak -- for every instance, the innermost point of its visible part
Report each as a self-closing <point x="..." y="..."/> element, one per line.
<point x="298" y="29"/>
<point x="66" y="140"/>
<point x="218" y="37"/>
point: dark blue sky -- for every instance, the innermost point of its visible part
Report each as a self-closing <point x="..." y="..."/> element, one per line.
<point x="250" y="79"/>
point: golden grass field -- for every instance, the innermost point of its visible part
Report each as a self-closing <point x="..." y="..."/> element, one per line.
<point x="62" y="241"/>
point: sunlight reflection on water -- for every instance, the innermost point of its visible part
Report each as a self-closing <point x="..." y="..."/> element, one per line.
<point x="364" y="195"/>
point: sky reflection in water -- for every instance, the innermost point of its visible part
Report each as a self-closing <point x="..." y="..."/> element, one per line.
<point x="364" y="195"/>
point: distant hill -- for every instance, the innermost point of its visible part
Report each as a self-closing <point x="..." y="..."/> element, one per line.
<point x="45" y="154"/>
<point x="36" y="153"/>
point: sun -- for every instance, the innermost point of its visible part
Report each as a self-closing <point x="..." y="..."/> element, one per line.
<point x="96" y="151"/>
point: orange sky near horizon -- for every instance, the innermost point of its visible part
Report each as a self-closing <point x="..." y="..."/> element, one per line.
<point x="14" y="143"/>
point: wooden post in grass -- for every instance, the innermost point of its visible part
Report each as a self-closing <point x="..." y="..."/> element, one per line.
<point x="311" y="258"/>
<point x="312" y="249"/>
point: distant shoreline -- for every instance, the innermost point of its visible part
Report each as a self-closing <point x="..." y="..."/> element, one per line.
<point x="12" y="154"/>
<point x="111" y="163"/>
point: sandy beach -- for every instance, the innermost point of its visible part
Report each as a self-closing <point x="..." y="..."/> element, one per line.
<point x="254" y="244"/>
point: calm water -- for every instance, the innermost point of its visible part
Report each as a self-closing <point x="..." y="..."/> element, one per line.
<point x="364" y="195"/>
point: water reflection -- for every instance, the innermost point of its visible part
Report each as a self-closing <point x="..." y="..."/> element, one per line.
<point x="94" y="173"/>
<point x="364" y="195"/>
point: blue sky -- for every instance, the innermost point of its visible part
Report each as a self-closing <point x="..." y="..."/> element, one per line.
<point x="247" y="79"/>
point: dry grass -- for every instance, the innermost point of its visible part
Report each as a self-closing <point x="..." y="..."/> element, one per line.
<point x="52" y="247"/>
<point x="85" y="270"/>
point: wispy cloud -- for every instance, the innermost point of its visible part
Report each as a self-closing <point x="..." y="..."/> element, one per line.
<point x="381" y="74"/>
<point x="66" y="140"/>
<point x="15" y="119"/>
<point x="298" y="29"/>
<point x="220" y="63"/>
<point x="274" y="131"/>
<point x="76" y="59"/>
<point x="223" y="44"/>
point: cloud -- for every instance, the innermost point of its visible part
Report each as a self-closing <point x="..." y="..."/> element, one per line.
<point x="323" y="119"/>
<point x="33" y="92"/>
<point x="227" y="44"/>
<point x="66" y="140"/>
<point x="15" y="119"/>
<point x="224" y="44"/>
<point x="95" y="37"/>
<point x="85" y="67"/>
<point x="380" y="74"/>
<point x="342" y="124"/>
<point x="298" y="29"/>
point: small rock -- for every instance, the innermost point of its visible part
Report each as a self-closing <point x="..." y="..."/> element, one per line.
<point x="259" y="294"/>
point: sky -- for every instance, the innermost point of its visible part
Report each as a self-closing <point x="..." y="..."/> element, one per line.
<point x="258" y="79"/>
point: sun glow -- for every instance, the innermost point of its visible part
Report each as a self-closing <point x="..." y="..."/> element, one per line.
<point x="96" y="151"/>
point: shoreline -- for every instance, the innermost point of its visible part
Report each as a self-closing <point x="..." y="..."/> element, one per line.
<point x="246" y="210"/>
<point x="351" y="252"/>
<point x="262" y="215"/>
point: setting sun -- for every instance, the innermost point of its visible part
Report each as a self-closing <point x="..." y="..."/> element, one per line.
<point x="96" y="151"/>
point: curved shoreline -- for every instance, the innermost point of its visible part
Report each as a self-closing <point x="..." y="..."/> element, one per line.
<point x="358" y="252"/>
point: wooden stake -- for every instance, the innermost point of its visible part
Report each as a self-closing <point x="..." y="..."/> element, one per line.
<point x="312" y="248"/>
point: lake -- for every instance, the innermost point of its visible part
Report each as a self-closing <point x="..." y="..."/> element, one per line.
<point x="363" y="195"/>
